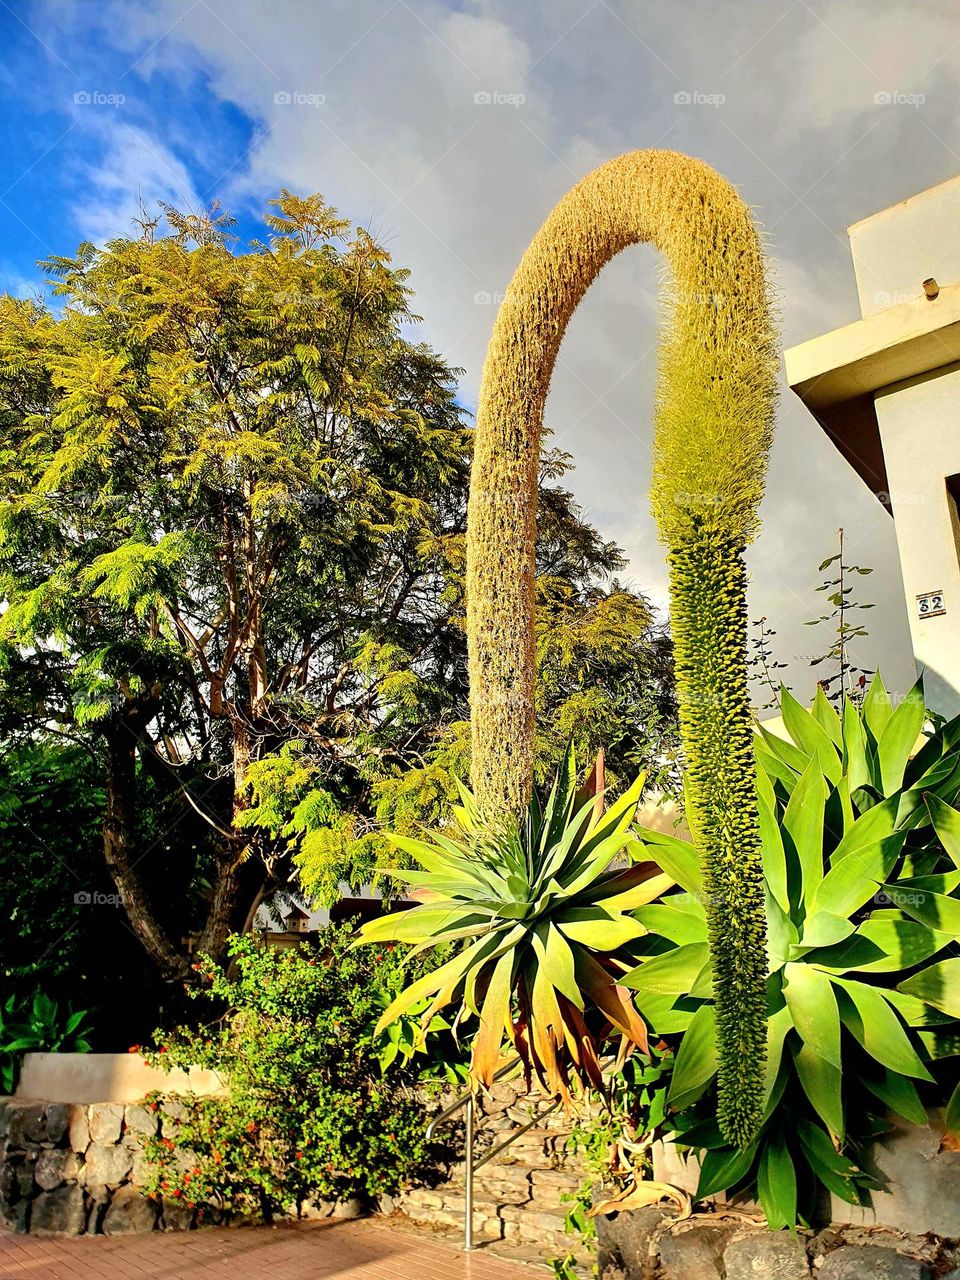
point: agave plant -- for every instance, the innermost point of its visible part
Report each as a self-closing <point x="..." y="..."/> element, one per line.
<point x="861" y="855"/>
<point x="540" y="912"/>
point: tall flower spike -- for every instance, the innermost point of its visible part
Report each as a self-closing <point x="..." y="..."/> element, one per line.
<point x="713" y="425"/>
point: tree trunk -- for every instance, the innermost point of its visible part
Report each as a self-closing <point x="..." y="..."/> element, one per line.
<point x="241" y="873"/>
<point x="118" y="848"/>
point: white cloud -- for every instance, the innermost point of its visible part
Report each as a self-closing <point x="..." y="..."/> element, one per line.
<point x="134" y="167"/>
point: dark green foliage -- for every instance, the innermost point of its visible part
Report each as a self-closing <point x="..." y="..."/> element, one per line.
<point x="66" y="931"/>
<point x="708" y="591"/>
<point x="861" y="854"/>
<point x="37" y="1025"/>
<point x="310" y="1115"/>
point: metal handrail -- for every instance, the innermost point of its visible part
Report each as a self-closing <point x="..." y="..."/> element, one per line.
<point x="467" y="1100"/>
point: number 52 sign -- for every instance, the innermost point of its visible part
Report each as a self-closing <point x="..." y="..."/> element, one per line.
<point x="930" y="604"/>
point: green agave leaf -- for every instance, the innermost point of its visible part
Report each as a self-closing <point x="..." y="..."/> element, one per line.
<point x="872" y="826"/>
<point x="822" y="929"/>
<point x="448" y="976"/>
<point x="810" y="736"/>
<point x="877" y="707"/>
<point x="898" y="738"/>
<point x="771" y="849"/>
<point x="857" y="762"/>
<point x="785" y="752"/>
<point x="813" y="1007"/>
<point x="943" y="781"/>
<point x="946" y="823"/>
<point x="821" y="1084"/>
<point x="835" y="1171"/>
<point x="871" y="1019"/>
<point x="766" y="790"/>
<point x="679" y="924"/>
<point x="626" y="890"/>
<point x="696" y="1063"/>
<point x="672" y="973"/>
<point x="779" y="1025"/>
<point x="938" y="984"/>
<point x="439" y="924"/>
<point x="777" y="1184"/>
<point x="885" y="943"/>
<point x="803" y="820"/>
<point x="703" y="983"/>
<point x="583" y="872"/>
<point x="854" y="879"/>
<point x="933" y="909"/>
<point x="773" y="767"/>
<point x="564" y="855"/>
<point x="827" y="718"/>
<point x="839" y="815"/>
<point x="723" y="1169"/>
<point x="678" y="858"/>
<point x="595" y="928"/>
<point x="899" y="1094"/>
<point x="561" y="799"/>
<point x="624" y="807"/>
<point x="782" y="934"/>
<point x="430" y="856"/>
<point x="939" y="882"/>
<point x="916" y="1012"/>
<point x="557" y="960"/>
<point x="667" y="1014"/>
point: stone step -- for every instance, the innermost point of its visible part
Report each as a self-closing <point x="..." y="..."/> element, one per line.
<point x="493" y="1219"/>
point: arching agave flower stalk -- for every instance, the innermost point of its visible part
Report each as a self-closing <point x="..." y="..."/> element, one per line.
<point x="713" y="421"/>
<point x="540" y="911"/>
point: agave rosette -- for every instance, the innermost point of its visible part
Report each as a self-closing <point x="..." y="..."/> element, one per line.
<point x="861" y="855"/>
<point x="540" y="913"/>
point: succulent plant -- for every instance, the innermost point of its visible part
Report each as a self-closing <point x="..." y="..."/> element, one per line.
<point x="861" y="856"/>
<point x="541" y="914"/>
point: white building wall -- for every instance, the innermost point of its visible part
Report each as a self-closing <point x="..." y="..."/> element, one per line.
<point x="896" y="250"/>
<point x="920" y="429"/>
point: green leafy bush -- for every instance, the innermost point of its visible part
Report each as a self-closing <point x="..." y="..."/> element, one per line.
<point x="309" y="1114"/>
<point x="539" y="912"/>
<point x="37" y="1026"/>
<point x="861" y="856"/>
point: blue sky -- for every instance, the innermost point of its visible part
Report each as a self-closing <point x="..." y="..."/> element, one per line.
<point x="66" y="106"/>
<point x="450" y="130"/>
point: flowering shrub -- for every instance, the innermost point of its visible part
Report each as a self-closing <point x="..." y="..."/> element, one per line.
<point x="310" y="1115"/>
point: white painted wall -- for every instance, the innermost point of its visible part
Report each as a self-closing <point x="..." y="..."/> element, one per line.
<point x="896" y="250"/>
<point x="920" y="429"/>
<point x="919" y="419"/>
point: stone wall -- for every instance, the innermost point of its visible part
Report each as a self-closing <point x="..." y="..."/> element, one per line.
<point x="646" y="1244"/>
<point x="75" y="1169"/>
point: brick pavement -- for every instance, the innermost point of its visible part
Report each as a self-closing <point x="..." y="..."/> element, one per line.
<point x="364" y="1250"/>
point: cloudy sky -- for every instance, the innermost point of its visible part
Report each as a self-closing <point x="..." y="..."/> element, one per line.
<point x="451" y="129"/>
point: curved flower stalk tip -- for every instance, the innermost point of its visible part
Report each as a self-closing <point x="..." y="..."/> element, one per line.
<point x="540" y="911"/>
<point x="713" y="425"/>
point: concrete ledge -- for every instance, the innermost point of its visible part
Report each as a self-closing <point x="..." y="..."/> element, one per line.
<point x="105" y="1077"/>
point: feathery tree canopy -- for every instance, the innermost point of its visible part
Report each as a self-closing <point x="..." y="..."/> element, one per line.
<point x="232" y="525"/>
